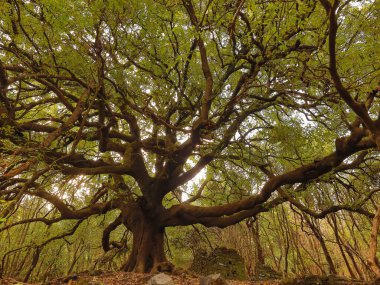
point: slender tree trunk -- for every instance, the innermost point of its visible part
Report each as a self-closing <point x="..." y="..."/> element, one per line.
<point x="75" y="258"/>
<point x="334" y="226"/>
<point x="260" y="252"/>
<point x="354" y="261"/>
<point x="318" y="235"/>
<point x="284" y="225"/>
<point x="36" y="256"/>
<point x="254" y="228"/>
<point x="372" y="258"/>
<point x="300" y="261"/>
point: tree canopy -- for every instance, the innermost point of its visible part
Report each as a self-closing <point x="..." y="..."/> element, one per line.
<point x="176" y="113"/>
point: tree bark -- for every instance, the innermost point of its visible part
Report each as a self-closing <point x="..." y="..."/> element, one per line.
<point x="372" y="258"/>
<point x="334" y="226"/>
<point x="319" y="237"/>
<point x="148" y="239"/>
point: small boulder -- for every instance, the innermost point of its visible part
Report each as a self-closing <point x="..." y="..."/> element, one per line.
<point x="166" y="266"/>
<point x="69" y="279"/>
<point x="264" y="272"/>
<point x="225" y="261"/>
<point x="161" y="279"/>
<point x="212" y="279"/>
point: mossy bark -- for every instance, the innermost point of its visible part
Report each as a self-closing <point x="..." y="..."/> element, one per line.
<point x="148" y="240"/>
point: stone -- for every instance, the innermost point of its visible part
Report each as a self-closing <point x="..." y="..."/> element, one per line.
<point x="212" y="279"/>
<point x="161" y="279"/>
<point x="227" y="262"/>
<point x="166" y="266"/>
<point x="265" y="272"/>
<point x="70" y="278"/>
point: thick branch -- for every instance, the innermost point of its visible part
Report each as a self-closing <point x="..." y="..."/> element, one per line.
<point x="107" y="232"/>
<point x="300" y="175"/>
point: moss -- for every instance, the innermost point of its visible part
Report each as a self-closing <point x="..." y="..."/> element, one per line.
<point x="225" y="261"/>
<point x="264" y="272"/>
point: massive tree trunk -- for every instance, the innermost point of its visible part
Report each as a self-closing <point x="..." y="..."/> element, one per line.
<point x="147" y="250"/>
<point x="148" y="238"/>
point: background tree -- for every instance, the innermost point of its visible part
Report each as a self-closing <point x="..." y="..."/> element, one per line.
<point x="128" y="102"/>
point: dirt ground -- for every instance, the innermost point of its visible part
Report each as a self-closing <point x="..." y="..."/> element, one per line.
<point x="127" y="278"/>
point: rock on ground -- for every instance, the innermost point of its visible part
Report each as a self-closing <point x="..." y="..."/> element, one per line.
<point x="161" y="279"/>
<point x="213" y="279"/>
<point x="225" y="261"/>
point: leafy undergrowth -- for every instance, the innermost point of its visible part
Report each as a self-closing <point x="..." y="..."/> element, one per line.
<point x="127" y="278"/>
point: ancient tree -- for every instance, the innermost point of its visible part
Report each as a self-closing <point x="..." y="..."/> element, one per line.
<point x="130" y="100"/>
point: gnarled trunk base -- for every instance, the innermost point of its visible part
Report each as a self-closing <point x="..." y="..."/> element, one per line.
<point x="148" y="244"/>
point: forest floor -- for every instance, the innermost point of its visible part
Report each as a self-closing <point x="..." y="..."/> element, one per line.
<point x="128" y="278"/>
<point x="188" y="278"/>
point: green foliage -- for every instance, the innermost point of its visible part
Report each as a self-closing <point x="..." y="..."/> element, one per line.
<point x="151" y="119"/>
